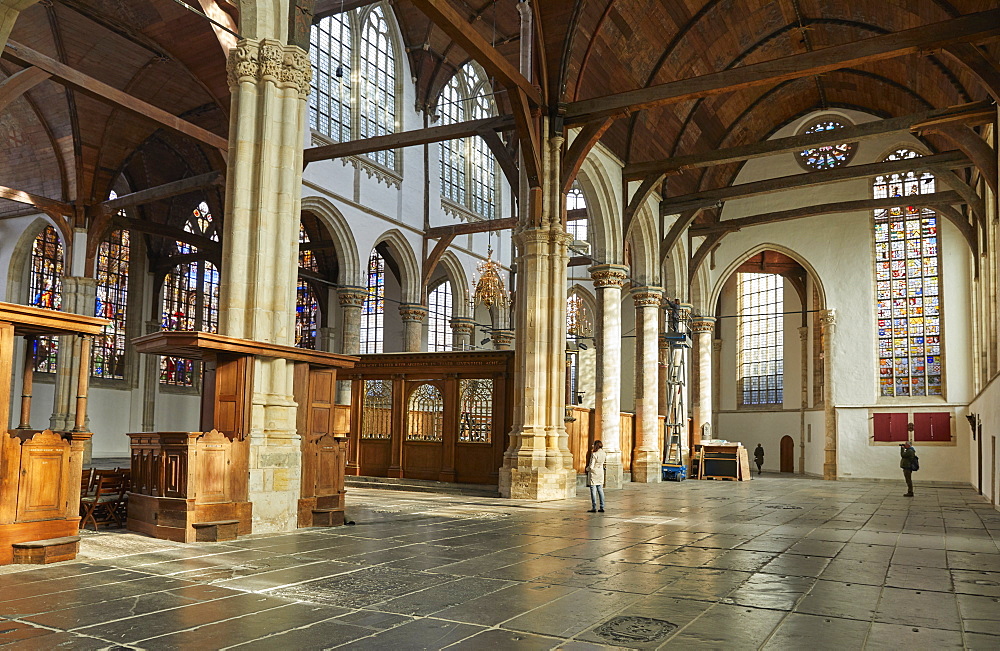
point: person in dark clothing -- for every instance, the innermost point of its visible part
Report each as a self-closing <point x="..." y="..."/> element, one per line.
<point x="907" y="453"/>
<point x="758" y="457"/>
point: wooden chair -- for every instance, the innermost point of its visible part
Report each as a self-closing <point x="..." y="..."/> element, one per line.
<point x="86" y="482"/>
<point x="106" y="505"/>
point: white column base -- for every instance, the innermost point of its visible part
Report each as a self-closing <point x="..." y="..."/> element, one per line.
<point x="614" y="471"/>
<point x="646" y="467"/>
<point x="542" y="484"/>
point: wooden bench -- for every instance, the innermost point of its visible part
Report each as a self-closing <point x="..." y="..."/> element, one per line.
<point x="40" y="552"/>
<point x="327" y="517"/>
<point x="218" y="531"/>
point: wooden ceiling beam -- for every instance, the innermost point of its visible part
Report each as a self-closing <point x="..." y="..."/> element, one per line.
<point x="19" y="83"/>
<point x="470" y="228"/>
<point x="930" y="200"/>
<point x="42" y="203"/>
<point x="161" y="192"/>
<point x="87" y="85"/>
<point x="974" y="113"/>
<point x="972" y="144"/>
<point x="971" y="27"/>
<point x="460" y="30"/>
<point x="703" y="199"/>
<point x="170" y="232"/>
<point x="985" y="70"/>
<point x="406" y="139"/>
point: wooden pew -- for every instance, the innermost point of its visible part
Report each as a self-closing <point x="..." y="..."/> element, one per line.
<point x="40" y="470"/>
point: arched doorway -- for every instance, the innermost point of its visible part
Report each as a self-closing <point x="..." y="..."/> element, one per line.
<point x="787" y="458"/>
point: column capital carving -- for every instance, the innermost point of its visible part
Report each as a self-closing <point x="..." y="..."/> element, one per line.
<point x="702" y="324"/>
<point x="412" y="312"/>
<point x="608" y="275"/>
<point x="502" y="339"/>
<point x="829" y="319"/>
<point x="648" y="296"/>
<point x="267" y="60"/>
<point x="352" y="296"/>
<point x="685" y="310"/>
<point x="463" y="325"/>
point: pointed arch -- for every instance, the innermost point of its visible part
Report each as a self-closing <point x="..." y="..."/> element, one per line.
<point x="401" y="252"/>
<point x="645" y="249"/>
<point x="344" y="243"/>
<point x="603" y="213"/>
<point x="721" y="279"/>
<point x="455" y="272"/>
<point x="20" y="257"/>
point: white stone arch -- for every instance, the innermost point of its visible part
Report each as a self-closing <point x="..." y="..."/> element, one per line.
<point x="402" y="253"/>
<point x="645" y="249"/>
<point x="17" y="271"/>
<point x="721" y="279"/>
<point x="604" y="220"/>
<point x="673" y="273"/>
<point x="344" y="243"/>
<point x="453" y="271"/>
<point x="700" y="291"/>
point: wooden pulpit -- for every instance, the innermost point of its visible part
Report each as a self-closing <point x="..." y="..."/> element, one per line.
<point x="40" y="470"/>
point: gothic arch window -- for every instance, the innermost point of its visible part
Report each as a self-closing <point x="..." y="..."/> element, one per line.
<point x="330" y="99"/>
<point x="373" y="309"/>
<point x="425" y="414"/>
<point x="108" y="360"/>
<point x="439" y="313"/>
<point x="476" y="411"/>
<point x="45" y="290"/>
<point x="579" y="325"/>
<point x="907" y="285"/>
<point x="306" y="302"/>
<point x="468" y="168"/>
<point x="576" y="201"/>
<point x="827" y="156"/>
<point x="377" y="81"/>
<point x="760" y="327"/>
<point x="190" y="297"/>
<point x="376" y="410"/>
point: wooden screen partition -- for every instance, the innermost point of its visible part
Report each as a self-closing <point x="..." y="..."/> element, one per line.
<point x="434" y="416"/>
<point x="584" y="429"/>
<point x="195" y="486"/>
<point x="40" y="470"/>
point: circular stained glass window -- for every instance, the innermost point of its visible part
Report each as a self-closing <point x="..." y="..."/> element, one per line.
<point x="826" y="157"/>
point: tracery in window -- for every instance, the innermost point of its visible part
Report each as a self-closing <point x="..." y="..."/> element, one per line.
<point x="306" y="303"/>
<point x="439" y="313"/>
<point x="330" y="99"/>
<point x="190" y="297"/>
<point x="827" y="156"/>
<point x="45" y="290"/>
<point x="476" y="411"/>
<point x="108" y="360"/>
<point x="907" y="286"/>
<point x="575" y="201"/>
<point x="377" y="81"/>
<point x="468" y="167"/>
<point x="761" y="338"/>
<point x="373" y="308"/>
<point x="376" y="410"/>
<point x="425" y="414"/>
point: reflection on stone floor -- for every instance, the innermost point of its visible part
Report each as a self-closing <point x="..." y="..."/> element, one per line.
<point x="775" y="563"/>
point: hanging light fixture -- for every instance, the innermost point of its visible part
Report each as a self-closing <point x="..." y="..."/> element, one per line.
<point x="489" y="288"/>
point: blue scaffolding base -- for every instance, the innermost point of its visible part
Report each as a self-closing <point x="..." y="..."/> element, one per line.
<point x="674" y="472"/>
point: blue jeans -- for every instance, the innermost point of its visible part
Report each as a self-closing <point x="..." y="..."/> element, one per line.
<point x="595" y="492"/>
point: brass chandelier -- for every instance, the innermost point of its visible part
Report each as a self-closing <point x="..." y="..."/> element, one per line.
<point x="489" y="288"/>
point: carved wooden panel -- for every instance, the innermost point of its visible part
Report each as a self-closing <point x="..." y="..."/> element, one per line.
<point x="44" y="475"/>
<point x="233" y="387"/>
<point x="213" y="450"/>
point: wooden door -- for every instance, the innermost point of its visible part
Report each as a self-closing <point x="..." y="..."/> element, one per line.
<point x="787" y="458"/>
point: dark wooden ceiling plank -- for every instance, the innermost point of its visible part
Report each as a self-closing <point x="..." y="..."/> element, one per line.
<point x="974" y="113"/>
<point x="577" y="152"/>
<point x="981" y="154"/>
<point x="88" y="85"/>
<point x="470" y="228"/>
<point x="947" y="160"/>
<point x="42" y="203"/>
<point x="982" y="68"/>
<point x="970" y="27"/>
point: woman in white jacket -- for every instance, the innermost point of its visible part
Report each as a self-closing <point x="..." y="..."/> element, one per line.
<point x="595" y="475"/>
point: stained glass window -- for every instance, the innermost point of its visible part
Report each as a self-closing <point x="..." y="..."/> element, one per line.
<point x="827" y="156"/>
<point x="190" y="297"/>
<point x="468" y="167"/>
<point x="907" y="287"/>
<point x="306" y="303"/>
<point x="377" y="78"/>
<point x="425" y="415"/>
<point x="476" y="411"/>
<point x="373" y="309"/>
<point x="439" y="312"/>
<point x="108" y="359"/>
<point x="330" y="99"/>
<point x="376" y="411"/>
<point x="761" y="338"/>
<point x="45" y="290"/>
<point x="575" y="201"/>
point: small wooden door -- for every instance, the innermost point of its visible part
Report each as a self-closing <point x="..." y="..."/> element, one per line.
<point x="787" y="459"/>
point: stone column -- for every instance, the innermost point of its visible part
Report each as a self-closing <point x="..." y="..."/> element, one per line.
<point x="701" y="403"/>
<point x="538" y="464"/>
<point x="608" y="280"/>
<point x="413" y="316"/>
<point x="326" y="339"/>
<point x="803" y="396"/>
<point x="351" y="301"/>
<point x="269" y="82"/>
<point x="150" y="365"/>
<point x="462" y="329"/>
<point x="502" y="339"/>
<point x="829" y="318"/>
<point x="648" y="458"/>
<point x="78" y="297"/>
